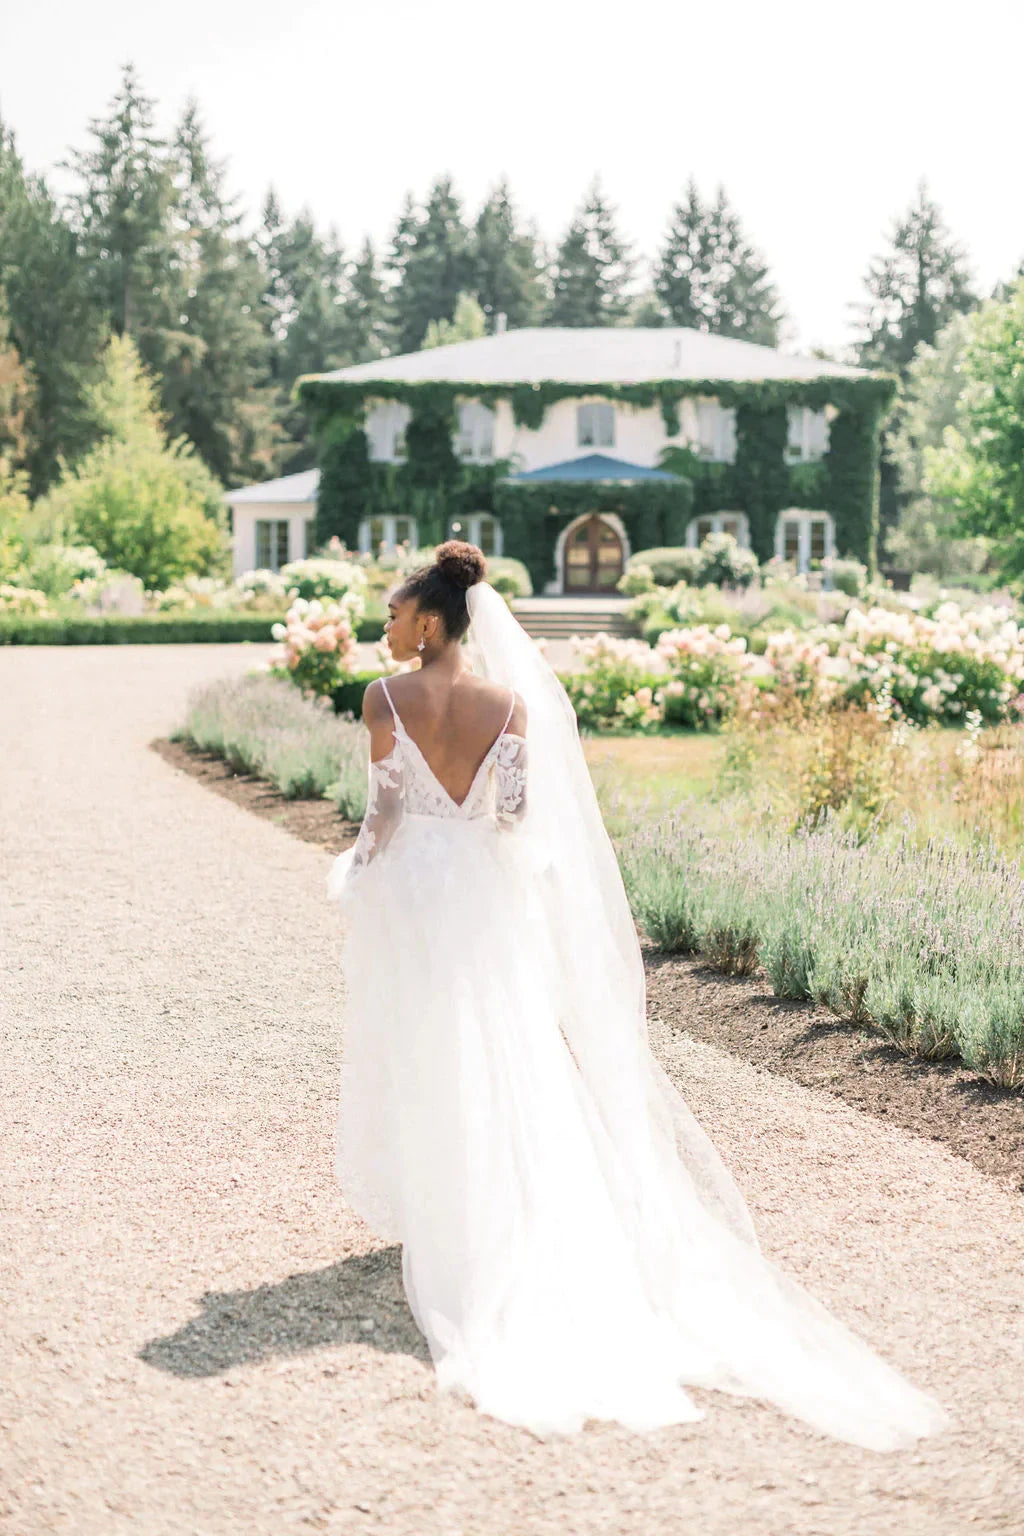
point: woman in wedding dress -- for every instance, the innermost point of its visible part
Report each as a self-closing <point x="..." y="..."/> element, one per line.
<point x="573" y="1246"/>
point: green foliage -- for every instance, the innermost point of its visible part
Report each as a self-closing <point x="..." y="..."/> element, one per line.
<point x="143" y="629"/>
<point x="54" y="324"/>
<point x="914" y="289"/>
<point x="925" y="538"/>
<point x="592" y="269"/>
<point x="430" y="264"/>
<point x="980" y="466"/>
<point x="468" y="323"/>
<point x="508" y="276"/>
<point x="760" y="474"/>
<point x="710" y="278"/>
<point x="148" y="507"/>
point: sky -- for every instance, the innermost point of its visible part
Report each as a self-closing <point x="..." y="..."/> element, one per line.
<point x="819" y="119"/>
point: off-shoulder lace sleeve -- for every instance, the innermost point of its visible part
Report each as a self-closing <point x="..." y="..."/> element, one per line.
<point x="385" y="801"/>
<point x="510" y="782"/>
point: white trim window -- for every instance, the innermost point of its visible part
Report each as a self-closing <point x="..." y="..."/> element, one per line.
<point x="482" y="529"/>
<point x="385" y="431"/>
<point x="272" y="543"/>
<point x="716" y="432"/>
<point x="804" y="539"/>
<point x="383" y="535"/>
<point x="807" y="435"/>
<point x="474" y="436"/>
<point x="734" y="523"/>
<point x="595" y="424"/>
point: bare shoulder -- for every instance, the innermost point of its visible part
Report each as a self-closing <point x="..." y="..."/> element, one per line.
<point x="375" y="704"/>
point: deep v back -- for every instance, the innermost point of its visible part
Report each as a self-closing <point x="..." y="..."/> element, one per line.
<point x="424" y="791"/>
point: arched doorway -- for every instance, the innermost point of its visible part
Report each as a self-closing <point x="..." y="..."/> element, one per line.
<point x="593" y="555"/>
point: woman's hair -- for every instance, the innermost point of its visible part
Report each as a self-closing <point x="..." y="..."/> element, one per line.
<point x="441" y="588"/>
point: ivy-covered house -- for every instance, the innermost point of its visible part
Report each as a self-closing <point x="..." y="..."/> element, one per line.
<point x="571" y="448"/>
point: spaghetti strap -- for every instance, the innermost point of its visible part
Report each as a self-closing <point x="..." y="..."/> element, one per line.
<point x="391" y="701"/>
<point x="508" y="717"/>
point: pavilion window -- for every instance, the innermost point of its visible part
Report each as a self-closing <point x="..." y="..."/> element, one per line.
<point x="271" y="543"/>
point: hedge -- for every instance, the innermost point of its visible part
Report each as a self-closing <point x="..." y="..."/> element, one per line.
<point x="150" y="628"/>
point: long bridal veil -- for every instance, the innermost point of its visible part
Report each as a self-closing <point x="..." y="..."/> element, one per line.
<point x="740" y="1323"/>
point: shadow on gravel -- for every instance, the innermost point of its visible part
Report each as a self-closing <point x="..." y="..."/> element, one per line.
<point x="357" y="1301"/>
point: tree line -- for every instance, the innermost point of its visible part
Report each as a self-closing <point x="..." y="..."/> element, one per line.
<point x="150" y="244"/>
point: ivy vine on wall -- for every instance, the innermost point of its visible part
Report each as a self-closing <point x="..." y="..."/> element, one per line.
<point x="433" y="486"/>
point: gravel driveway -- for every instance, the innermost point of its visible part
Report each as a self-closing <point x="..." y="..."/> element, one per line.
<point x="200" y="1339"/>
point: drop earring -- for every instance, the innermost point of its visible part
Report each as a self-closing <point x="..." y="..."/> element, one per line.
<point x="421" y="645"/>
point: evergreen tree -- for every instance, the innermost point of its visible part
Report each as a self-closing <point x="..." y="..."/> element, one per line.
<point x="593" y="268"/>
<point x="709" y="277"/>
<point x="218" y="390"/>
<point x="914" y="288"/>
<point x="306" y="313"/>
<point x="508" y="274"/>
<point x="431" y="265"/>
<point x="121" y="213"/>
<point x="54" y="327"/>
<point x="16" y="392"/>
<point x="365" y="319"/>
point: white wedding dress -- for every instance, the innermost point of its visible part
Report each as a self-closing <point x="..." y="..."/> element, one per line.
<point x="573" y="1246"/>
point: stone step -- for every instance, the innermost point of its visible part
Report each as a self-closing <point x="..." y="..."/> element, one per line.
<point x="559" y="624"/>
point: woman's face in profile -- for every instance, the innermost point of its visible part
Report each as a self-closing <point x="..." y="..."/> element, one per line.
<point x="402" y="627"/>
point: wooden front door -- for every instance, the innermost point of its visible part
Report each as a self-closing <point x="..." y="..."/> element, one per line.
<point x="593" y="557"/>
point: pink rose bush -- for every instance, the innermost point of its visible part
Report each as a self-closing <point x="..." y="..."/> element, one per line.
<point x="317" y="646"/>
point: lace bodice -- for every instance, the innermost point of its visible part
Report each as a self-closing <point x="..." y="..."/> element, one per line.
<point x="403" y="784"/>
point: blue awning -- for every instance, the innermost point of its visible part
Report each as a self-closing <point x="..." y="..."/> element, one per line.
<point x="594" y="466"/>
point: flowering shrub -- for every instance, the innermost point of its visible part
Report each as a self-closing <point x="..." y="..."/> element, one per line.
<point x="22" y="599"/>
<point x="318" y="647"/>
<point x="339" y="581"/>
<point x="724" y="563"/>
<point x="704" y="665"/>
<point x="614" y="673"/>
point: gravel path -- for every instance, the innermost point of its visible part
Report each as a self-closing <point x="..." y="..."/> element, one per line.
<point x="201" y="1340"/>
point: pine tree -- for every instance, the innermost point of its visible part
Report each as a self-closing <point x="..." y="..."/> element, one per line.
<point x="914" y="288"/>
<point x="57" y="331"/>
<point x="508" y="275"/>
<point x="593" y="268"/>
<point x="709" y="277"/>
<point x="218" y="390"/>
<point x="469" y="324"/>
<point x="431" y="265"/>
<point x="365" y="313"/>
<point x="121" y="213"/>
<point x="16" y="393"/>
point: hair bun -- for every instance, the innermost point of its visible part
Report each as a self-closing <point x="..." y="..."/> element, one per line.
<point x="462" y="563"/>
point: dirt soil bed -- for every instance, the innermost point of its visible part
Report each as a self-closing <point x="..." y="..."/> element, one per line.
<point x="940" y="1100"/>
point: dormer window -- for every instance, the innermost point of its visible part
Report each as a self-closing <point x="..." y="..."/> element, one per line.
<point x="595" y="424"/>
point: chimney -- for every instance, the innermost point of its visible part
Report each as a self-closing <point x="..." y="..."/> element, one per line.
<point x="500" y="323"/>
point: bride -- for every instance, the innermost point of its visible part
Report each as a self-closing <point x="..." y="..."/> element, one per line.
<point x="573" y="1246"/>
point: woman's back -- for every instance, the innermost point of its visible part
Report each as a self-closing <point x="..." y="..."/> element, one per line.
<point x="454" y="722"/>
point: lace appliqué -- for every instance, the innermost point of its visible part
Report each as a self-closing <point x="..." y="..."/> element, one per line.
<point x="510" y="782"/>
<point x="384" y="801"/>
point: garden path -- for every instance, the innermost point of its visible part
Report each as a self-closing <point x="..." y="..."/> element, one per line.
<point x="201" y="1340"/>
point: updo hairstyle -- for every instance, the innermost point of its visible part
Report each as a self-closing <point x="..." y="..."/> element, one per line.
<point x="441" y="588"/>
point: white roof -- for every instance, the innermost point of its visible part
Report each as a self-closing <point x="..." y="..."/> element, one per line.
<point x="600" y="355"/>
<point x="290" y="488"/>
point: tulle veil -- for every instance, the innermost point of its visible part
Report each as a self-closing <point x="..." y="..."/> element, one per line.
<point x="747" y="1327"/>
